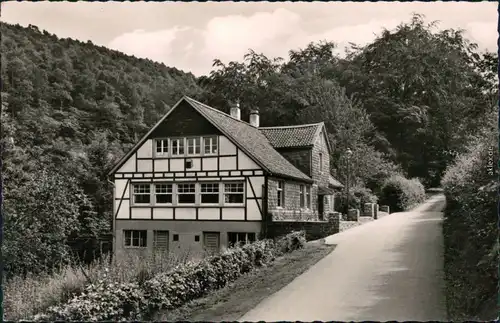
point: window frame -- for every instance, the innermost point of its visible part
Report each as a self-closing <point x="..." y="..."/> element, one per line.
<point x="194" y="140"/>
<point x="213" y="141"/>
<point x="162" y="145"/>
<point x="302" y="196"/>
<point x="215" y="184"/>
<point x="198" y="144"/>
<point x="224" y="193"/>
<point x="134" y="193"/>
<point x="181" y="142"/>
<point x="177" y="189"/>
<point x="139" y="232"/>
<point x="155" y="193"/>
<point x="320" y="162"/>
<point x="308" y="197"/>
<point x="195" y="193"/>
<point x="246" y="235"/>
<point x="280" y="194"/>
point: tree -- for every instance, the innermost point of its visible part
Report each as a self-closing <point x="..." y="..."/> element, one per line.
<point x="421" y="88"/>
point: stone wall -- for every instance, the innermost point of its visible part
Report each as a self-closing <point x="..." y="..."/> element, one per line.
<point x="320" y="148"/>
<point x="314" y="229"/>
<point x="291" y="210"/>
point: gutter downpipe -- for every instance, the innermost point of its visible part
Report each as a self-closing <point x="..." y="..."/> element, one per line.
<point x="113" y="220"/>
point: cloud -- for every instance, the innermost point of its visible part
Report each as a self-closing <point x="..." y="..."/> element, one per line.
<point x="230" y="37"/>
<point x="155" y="45"/>
<point x="485" y="34"/>
<point x="360" y="34"/>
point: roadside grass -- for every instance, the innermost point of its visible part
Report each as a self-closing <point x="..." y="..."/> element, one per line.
<point x="30" y="295"/>
<point x="233" y="301"/>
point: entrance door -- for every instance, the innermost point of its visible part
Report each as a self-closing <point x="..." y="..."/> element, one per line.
<point x="321" y="206"/>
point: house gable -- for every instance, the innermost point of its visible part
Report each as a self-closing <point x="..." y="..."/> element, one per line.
<point x="184" y="120"/>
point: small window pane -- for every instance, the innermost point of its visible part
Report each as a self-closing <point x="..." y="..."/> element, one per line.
<point x="234" y="198"/>
<point x="187" y="198"/>
<point x="210" y="198"/>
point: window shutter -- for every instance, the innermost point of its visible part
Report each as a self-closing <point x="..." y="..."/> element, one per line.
<point x="212" y="241"/>
<point x="161" y="239"/>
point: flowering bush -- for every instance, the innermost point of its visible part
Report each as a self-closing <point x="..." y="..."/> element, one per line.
<point x="401" y="193"/>
<point x="107" y="300"/>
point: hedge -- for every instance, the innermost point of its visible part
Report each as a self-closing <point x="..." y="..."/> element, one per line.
<point x="470" y="228"/>
<point x="107" y="300"/>
<point x="401" y="193"/>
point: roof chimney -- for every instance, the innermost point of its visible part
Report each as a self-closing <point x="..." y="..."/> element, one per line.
<point x="235" y="111"/>
<point x="254" y="118"/>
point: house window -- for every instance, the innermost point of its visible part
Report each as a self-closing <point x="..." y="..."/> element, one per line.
<point x="160" y="239"/>
<point x="308" y="197"/>
<point x="186" y="193"/>
<point x="142" y="194"/>
<point x="177" y="146"/>
<point x="193" y="146"/>
<point x="162" y="147"/>
<point x="233" y="193"/>
<point x="240" y="238"/>
<point x="281" y="195"/>
<point x="135" y="238"/>
<point x="209" y="193"/>
<point x="302" y="196"/>
<point x="320" y="162"/>
<point x="175" y="237"/>
<point x="211" y="241"/>
<point x="210" y="145"/>
<point x="163" y="193"/>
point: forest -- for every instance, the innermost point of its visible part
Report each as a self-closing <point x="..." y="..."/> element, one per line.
<point x="408" y="103"/>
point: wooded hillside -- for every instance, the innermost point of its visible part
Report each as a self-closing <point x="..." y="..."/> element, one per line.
<point x="405" y="103"/>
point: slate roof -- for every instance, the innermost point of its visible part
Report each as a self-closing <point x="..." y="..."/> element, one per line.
<point x="292" y="136"/>
<point x="251" y="140"/>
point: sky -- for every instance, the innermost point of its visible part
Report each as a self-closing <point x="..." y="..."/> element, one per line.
<point x="190" y="35"/>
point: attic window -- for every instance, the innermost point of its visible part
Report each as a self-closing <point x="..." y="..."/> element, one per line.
<point x="177" y="146"/>
<point x="210" y="145"/>
<point x="193" y="146"/>
<point x="162" y="146"/>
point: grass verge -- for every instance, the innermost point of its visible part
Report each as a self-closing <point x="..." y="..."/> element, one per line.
<point x="233" y="301"/>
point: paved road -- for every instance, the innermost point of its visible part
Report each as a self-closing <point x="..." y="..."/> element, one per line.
<point x="388" y="269"/>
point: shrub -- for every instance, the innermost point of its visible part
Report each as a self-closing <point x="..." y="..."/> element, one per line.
<point x="358" y="196"/>
<point x="470" y="228"/>
<point x="36" y="293"/>
<point x="401" y="193"/>
<point x="292" y="241"/>
<point x="108" y="300"/>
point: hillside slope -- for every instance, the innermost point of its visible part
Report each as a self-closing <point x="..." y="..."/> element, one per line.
<point x="69" y="110"/>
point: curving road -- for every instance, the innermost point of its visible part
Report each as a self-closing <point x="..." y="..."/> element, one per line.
<point x="388" y="269"/>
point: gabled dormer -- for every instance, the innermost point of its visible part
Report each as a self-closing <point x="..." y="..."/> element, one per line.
<point x="305" y="146"/>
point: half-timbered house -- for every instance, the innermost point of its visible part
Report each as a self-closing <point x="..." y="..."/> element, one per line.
<point x="203" y="179"/>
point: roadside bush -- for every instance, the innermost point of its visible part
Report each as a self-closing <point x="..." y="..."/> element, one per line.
<point x="401" y="193"/>
<point x="358" y="196"/>
<point x="107" y="300"/>
<point x="470" y="228"/>
<point x="35" y="293"/>
<point x="292" y="241"/>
